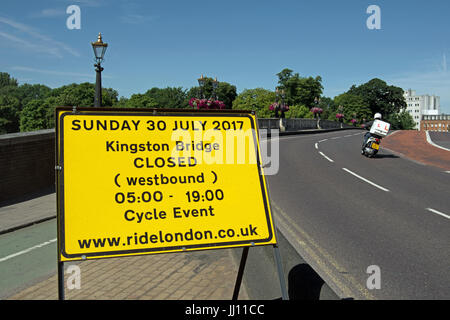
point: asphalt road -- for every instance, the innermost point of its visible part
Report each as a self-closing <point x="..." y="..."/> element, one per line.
<point x="346" y="213"/>
<point x="440" y="138"/>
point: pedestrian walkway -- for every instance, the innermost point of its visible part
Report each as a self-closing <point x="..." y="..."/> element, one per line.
<point x="199" y="275"/>
<point x="413" y="144"/>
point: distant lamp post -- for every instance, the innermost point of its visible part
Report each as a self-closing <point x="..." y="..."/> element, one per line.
<point x="99" y="52"/>
<point x="215" y="85"/>
<point x="201" y="83"/>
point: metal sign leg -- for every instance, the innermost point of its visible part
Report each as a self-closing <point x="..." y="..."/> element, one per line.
<point x="60" y="280"/>
<point x="284" y="292"/>
<point x="237" y="285"/>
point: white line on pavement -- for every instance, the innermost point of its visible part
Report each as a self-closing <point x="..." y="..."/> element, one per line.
<point x="439" y="213"/>
<point x="323" y="140"/>
<point x="364" y="179"/>
<point x="43" y="244"/>
<point x="316" y="145"/>
<point x="323" y="155"/>
<point x="434" y="144"/>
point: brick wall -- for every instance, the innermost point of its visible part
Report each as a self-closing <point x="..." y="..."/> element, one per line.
<point x="27" y="163"/>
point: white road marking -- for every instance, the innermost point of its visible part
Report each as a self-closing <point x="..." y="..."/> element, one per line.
<point x="447" y="171"/>
<point x="434" y="144"/>
<point x="323" y="140"/>
<point x="439" y="213"/>
<point x="43" y="244"/>
<point x="316" y="145"/>
<point x="365" y="180"/>
<point x="323" y="155"/>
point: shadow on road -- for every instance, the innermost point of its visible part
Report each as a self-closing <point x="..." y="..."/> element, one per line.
<point x="304" y="283"/>
<point x="384" y="156"/>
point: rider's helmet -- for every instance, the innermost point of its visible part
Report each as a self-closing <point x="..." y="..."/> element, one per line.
<point x="377" y="116"/>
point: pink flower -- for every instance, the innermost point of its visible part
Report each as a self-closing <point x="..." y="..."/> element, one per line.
<point x="339" y="115"/>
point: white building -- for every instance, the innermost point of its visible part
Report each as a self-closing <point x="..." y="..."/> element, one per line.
<point x="418" y="106"/>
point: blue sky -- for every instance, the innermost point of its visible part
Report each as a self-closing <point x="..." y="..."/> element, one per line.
<point x="245" y="43"/>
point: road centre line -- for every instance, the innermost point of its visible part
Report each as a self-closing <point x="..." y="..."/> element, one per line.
<point x="365" y="180"/>
<point x="323" y="155"/>
<point x="439" y="213"/>
<point x="43" y="244"/>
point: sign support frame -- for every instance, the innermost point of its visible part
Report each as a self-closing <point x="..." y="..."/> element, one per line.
<point x="276" y="253"/>
<point x="58" y="169"/>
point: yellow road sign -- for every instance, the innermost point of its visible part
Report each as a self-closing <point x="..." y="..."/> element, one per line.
<point x="139" y="182"/>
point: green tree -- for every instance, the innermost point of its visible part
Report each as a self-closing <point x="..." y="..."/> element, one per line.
<point x="140" y="101"/>
<point x="401" y="121"/>
<point x="35" y="115"/>
<point x="328" y="106"/>
<point x="299" y="90"/>
<point x="353" y="107"/>
<point x="9" y="114"/>
<point x="302" y="112"/>
<point x="6" y="80"/>
<point x="380" y="97"/>
<point x="83" y="94"/>
<point x="169" y="98"/>
<point x="225" y="92"/>
<point x="258" y="100"/>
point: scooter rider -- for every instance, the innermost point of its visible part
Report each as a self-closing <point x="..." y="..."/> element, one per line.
<point x="367" y="126"/>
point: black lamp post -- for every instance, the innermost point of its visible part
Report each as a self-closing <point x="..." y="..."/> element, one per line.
<point x="99" y="52"/>
<point x="215" y="84"/>
<point x="282" y="105"/>
<point x="201" y="83"/>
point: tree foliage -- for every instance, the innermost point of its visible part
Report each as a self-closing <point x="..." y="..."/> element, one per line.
<point x="354" y="107"/>
<point x="31" y="106"/>
<point x="225" y="92"/>
<point x="401" y="121"/>
<point x="257" y="100"/>
<point x="299" y="90"/>
<point x="380" y="97"/>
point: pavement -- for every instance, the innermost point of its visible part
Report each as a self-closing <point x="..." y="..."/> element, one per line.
<point x="413" y="145"/>
<point x="200" y="275"/>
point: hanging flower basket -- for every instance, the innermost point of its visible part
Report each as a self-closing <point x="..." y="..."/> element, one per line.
<point x="316" y="111"/>
<point x="278" y="107"/>
<point x="206" y="104"/>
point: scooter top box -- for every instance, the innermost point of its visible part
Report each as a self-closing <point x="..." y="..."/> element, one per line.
<point x="380" y="128"/>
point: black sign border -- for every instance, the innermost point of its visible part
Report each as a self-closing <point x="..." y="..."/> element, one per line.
<point x="88" y="111"/>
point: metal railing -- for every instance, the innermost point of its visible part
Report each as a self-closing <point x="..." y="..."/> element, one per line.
<point x="299" y="124"/>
